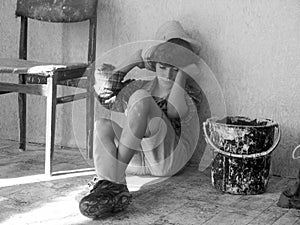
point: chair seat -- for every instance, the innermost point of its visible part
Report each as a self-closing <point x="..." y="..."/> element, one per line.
<point x="11" y="65"/>
<point x="37" y="72"/>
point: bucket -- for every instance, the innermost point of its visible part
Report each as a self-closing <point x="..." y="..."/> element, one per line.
<point x="242" y="150"/>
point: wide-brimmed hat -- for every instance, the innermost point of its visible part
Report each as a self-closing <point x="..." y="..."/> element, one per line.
<point x="173" y="29"/>
<point x="167" y="31"/>
<point x="173" y="54"/>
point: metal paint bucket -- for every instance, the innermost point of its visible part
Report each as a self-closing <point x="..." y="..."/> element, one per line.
<point x="242" y="150"/>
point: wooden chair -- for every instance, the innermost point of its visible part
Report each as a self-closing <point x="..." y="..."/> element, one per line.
<point x="40" y="78"/>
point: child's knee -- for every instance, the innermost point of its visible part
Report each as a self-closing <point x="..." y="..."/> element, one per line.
<point x="139" y="101"/>
<point x="139" y="96"/>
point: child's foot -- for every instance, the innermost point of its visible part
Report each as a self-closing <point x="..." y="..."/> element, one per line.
<point x="104" y="199"/>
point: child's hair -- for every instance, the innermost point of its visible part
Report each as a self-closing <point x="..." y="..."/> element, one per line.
<point x="175" y="52"/>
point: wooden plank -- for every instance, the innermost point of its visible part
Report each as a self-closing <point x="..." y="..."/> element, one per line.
<point x="45" y="69"/>
<point x="191" y="212"/>
<point x="71" y="72"/>
<point x="90" y="117"/>
<point x="50" y="123"/>
<point x="35" y="89"/>
<point x="268" y="216"/>
<point x="258" y="202"/>
<point x="78" y="83"/>
<point x="71" y="98"/>
<point x="233" y="217"/>
<point x="22" y="100"/>
<point x="5" y="92"/>
<point x="291" y="217"/>
<point x="51" y="11"/>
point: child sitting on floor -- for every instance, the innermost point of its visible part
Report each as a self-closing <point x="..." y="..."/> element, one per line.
<point x="154" y="124"/>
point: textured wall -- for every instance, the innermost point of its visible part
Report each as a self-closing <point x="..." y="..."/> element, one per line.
<point x="253" y="48"/>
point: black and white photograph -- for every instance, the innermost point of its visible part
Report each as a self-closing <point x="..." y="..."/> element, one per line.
<point x="150" y="112"/>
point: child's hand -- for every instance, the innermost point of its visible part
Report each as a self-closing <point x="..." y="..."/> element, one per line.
<point x="181" y="78"/>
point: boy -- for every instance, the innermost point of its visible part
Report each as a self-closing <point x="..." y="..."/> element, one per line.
<point x="156" y="127"/>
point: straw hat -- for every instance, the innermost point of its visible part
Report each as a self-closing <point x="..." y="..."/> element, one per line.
<point x="173" y="29"/>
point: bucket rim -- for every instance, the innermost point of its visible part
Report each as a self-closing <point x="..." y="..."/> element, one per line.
<point x="253" y="155"/>
<point x="271" y="123"/>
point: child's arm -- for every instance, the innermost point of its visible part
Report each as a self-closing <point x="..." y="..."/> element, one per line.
<point x="109" y="79"/>
<point x="177" y="105"/>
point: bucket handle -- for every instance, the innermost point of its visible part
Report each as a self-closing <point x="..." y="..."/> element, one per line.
<point x="254" y="155"/>
<point x="294" y="153"/>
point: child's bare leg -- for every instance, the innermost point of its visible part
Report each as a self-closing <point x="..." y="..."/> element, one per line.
<point x="105" y="150"/>
<point x="110" y="161"/>
<point x="142" y="110"/>
<point x="110" y="194"/>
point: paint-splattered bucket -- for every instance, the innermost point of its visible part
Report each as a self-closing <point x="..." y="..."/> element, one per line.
<point x="242" y="153"/>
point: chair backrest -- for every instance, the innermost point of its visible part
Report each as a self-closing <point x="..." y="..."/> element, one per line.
<point x="58" y="11"/>
<point x="63" y="11"/>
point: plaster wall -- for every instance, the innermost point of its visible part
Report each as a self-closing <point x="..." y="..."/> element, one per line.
<point x="252" y="47"/>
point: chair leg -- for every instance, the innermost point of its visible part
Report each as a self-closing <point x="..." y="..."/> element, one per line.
<point x="50" y="123"/>
<point x="22" y="121"/>
<point x="22" y="116"/>
<point x="90" y="124"/>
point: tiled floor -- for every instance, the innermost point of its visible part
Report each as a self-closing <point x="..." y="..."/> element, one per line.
<point x="29" y="198"/>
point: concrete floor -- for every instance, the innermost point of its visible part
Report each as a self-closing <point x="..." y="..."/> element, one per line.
<point x="28" y="197"/>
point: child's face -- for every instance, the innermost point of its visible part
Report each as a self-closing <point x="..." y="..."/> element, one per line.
<point x="166" y="71"/>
